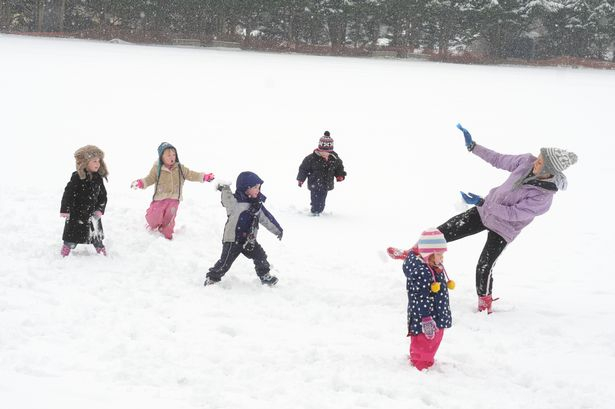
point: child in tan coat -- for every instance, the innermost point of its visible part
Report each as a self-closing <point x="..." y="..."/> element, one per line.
<point x="169" y="176"/>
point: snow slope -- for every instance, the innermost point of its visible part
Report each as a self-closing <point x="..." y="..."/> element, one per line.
<point x="138" y="329"/>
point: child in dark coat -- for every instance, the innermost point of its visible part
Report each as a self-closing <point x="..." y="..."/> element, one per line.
<point x="245" y="211"/>
<point x="320" y="168"/>
<point x="84" y="201"/>
<point x="427" y="285"/>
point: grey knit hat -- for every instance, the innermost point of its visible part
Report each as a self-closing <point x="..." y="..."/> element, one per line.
<point x="557" y="160"/>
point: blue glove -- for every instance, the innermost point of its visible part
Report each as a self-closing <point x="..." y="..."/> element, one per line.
<point x="468" y="138"/>
<point x="472" y="199"/>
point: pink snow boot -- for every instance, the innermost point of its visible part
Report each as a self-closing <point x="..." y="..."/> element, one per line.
<point x="101" y="250"/>
<point x="484" y="303"/>
<point x="65" y="251"/>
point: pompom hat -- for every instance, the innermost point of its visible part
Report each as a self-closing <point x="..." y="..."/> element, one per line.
<point x="557" y="160"/>
<point x="431" y="241"/>
<point x="326" y="142"/>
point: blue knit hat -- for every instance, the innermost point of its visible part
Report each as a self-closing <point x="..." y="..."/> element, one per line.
<point x="163" y="147"/>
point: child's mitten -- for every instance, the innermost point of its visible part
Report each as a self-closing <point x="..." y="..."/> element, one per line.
<point x="137" y="184"/>
<point x="208" y="177"/>
<point x="428" y="325"/>
<point x="221" y="185"/>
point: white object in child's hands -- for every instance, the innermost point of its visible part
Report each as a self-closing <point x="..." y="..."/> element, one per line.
<point x="221" y="184"/>
<point x="461" y="206"/>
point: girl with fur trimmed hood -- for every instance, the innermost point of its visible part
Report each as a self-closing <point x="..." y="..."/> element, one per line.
<point x="169" y="176"/>
<point x="84" y="201"/>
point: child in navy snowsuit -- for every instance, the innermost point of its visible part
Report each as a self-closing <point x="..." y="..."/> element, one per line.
<point x="320" y="168"/>
<point x="428" y="304"/>
<point x="84" y="201"/>
<point x="245" y="211"/>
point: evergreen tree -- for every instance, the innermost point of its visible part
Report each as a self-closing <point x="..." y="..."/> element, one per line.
<point x="501" y="23"/>
<point x="443" y="24"/>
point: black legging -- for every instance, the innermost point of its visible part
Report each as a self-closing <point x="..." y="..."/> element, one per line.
<point x="230" y="252"/>
<point x="469" y="223"/>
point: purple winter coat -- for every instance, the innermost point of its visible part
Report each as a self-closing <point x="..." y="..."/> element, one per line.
<point x="507" y="210"/>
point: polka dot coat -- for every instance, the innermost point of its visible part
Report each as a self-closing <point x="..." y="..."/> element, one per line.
<point x="422" y="302"/>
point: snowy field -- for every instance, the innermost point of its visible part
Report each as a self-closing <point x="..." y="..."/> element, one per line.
<point x="138" y="329"/>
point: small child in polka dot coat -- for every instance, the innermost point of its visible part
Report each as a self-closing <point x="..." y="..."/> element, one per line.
<point x="427" y="285"/>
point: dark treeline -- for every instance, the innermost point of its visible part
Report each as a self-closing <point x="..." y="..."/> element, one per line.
<point x="498" y="29"/>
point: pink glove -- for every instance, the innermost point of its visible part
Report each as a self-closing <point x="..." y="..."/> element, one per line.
<point x="137" y="184"/>
<point x="208" y="177"/>
<point x="428" y="325"/>
<point x="97" y="214"/>
<point x="340" y="178"/>
<point x="65" y="215"/>
<point x="300" y="183"/>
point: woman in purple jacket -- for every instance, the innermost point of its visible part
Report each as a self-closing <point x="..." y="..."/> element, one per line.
<point x="508" y="208"/>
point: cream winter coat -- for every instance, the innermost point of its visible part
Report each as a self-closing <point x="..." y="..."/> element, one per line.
<point x="171" y="180"/>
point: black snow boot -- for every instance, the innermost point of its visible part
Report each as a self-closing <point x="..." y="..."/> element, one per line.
<point x="268" y="279"/>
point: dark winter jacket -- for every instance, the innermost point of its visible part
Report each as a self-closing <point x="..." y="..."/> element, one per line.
<point x="83" y="197"/>
<point x="422" y="302"/>
<point x="245" y="214"/>
<point x="320" y="172"/>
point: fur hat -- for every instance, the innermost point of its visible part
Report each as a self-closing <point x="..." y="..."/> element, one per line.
<point x="326" y="142"/>
<point x="557" y="160"/>
<point x="431" y="241"/>
<point x="84" y="155"/>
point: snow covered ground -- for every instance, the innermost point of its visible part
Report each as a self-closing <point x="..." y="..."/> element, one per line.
<point x="138" y="329"/>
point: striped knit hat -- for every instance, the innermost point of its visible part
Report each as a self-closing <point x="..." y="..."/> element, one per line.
<point x="326" y="142"/>
<point x="557" y="160"/>
<point x="431" y="241"/>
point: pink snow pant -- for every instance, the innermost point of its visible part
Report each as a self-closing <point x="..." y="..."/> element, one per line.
<point x="423" y="350"/>
<point x="161" y="216"/>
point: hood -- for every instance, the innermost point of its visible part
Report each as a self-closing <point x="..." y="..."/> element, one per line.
<point x="246" y="180"/>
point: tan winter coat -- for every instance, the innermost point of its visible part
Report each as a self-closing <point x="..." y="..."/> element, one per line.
<point x="171" y="182"/>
